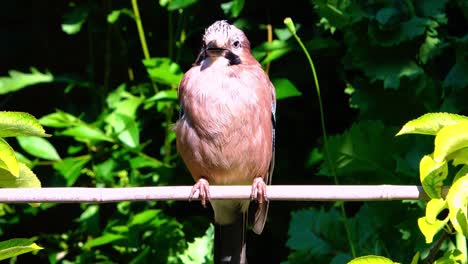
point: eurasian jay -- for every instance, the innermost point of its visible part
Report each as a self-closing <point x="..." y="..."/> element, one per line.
<point x="226" y="132"/>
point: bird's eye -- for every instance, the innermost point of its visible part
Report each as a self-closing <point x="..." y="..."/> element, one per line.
<point x="236" y="44"/>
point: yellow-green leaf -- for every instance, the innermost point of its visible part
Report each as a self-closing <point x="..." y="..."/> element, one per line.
<point x="450" y="139"/>
<point x="38" y="147"/>
<point x="415" y="259"/>
<point x="433" y="209"/>
<point x="371" y="259"/>
<point x="16" y="246"/>
<point x="459" y="157"/>
<point x="14" y="124"/>
<point x="431" y="123"/>
<point x="432" y="174"/>
<point x="19" y="80"/>
<point x="430" y="230"/>
<point x="457" y="200"/>
<point x="8" y="159"/>
<point x="453" y="256"/>
<point x="26" y="178"/>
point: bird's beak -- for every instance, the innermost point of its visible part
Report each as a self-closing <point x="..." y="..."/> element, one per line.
<point x="213" y="50"/>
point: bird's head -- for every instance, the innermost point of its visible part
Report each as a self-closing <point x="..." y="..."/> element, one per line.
<point x="224" y="44"/>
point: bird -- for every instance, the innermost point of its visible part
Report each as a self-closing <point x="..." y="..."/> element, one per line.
<point x="225" y="133"/>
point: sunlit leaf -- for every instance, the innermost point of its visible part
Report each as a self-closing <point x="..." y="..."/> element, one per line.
<point x="457" y="200"/>
<point x="459" y="157"/>
<point x="450" y="139"/>
<point x="115" y="14"/>
<point x="17" y="246"/>
<point x="164" y="95"/>
<point x="430" y="225"/>
<point x="86" y="133"/>
<point x="38" y="147"/>
<point x="144" y="217"/>
<point x="59" y="119"/>
<point x="453" y="256"/>
<point x="74" y="20"/>
<point x="71" y="168"/>
<point x="105" y="239"/>
<point x="180" y="4"/>
<point x="371" y="260"/>
<point x="285" y="88"/>
<point x="8" y="160"/>
<point x="14" y="124"/>
<point x="19" y="80"/>
<point x="126" y="129"/>
<point x="431" y="123"/>
<point x="432" y="174"/>
<point x="233" y="8"/>
<point x="200" y="250"/>
<point x="25" y="179"/>
<point x="163" y="70"/>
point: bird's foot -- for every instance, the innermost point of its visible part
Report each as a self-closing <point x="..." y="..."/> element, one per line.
<point x="259" y="190"/>
<point x="203" y="188"/>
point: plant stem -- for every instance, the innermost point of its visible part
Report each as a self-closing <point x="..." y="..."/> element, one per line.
<point x="269" y="39"/>
<point x="324" y="133"/>
<point x="461" y="245"/>
<point x="141" y="34"/>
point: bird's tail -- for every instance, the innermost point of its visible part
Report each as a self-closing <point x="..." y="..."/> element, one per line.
<point x="230" y="242"/>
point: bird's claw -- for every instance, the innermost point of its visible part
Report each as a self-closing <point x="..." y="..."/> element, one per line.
<point x="259" y="190"/>
<point x="203" y="188"/>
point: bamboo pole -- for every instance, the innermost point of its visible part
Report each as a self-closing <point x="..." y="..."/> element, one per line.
<point x="181" y="193"/>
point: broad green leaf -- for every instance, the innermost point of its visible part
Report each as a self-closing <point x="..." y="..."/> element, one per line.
<point x="450" y="139"/>
<point x="415" y="259"/>
<point x="19" y="80"/>
<point x="104" y="171"/>
<point x="103" y="240"/>
<point x="17" y="246"/>
<point x="144" y="217"/>
<point x="86" y="133"/>
<point x="8" y="160"/>
<point x="38" y="147"/>
<point x="59" y="119"/>
<point x="429" y="48"/>
<point x="71" y="168"/>
<point x="459" y="157"/>
<point x="432" y="174"/>
<point x="145" y="161"/>
<point x="163" y="70"/>
<point x="164" y="95"/>
<point x="126" y="129"/>
<point x="25" y="179"/>
<point x="90" y="212"/>
<point x="457" y="200"/>
<point x="457" y="77"/>
<point x="200" y="250"/>
<point x="430" y="225"/>
<point x="453" y="256"/>
<point x="233" y="8"/>
<point x="371" y="260"/>
<point x="115" y="14"/>
<point x="462" y="172"/>
<point x="74" y="20"/>
<point x="285" y="88"/>
<point x="180" y="4"/>
<point x="124" y="102"/>
<point x="13" y="124"/>
<point x="431" y="123"/>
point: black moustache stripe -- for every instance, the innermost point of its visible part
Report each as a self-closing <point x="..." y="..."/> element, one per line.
<point x="232" y="58"/>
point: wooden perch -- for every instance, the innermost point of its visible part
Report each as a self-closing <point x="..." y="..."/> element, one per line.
<point x="181" y="193"/>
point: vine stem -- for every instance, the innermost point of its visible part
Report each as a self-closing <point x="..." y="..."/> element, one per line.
<point x="141" y="35"/>
<point x="290" y="25"/>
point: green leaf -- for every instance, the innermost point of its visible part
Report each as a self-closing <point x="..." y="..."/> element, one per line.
<point x="144" y="217"/>
<point x="233" y="8"/>
<point x="124" y="102"/>
<point x="17" y="246"/>
<point x="200" y="250"/>
<point x="126" y="129"/>
<point x="371" y="260"/>
<point x="457" y="77"/>
<point x="164" y="95"/>
<point x="71" y="168"/>
<point x="459" y="157"/>
<point x="103" y="240"/>
<point x="59" y="119"/>
<point x="115" y="14"/>
<point x="104" y="170"/>
<point x="430" y="225"/>
<point x="285" y="88"/>
<point x="163" y="70"/>
<point x="180" y="4"/>
<point x="432" y="174"/>
<point x="450" y="139"/>
<point x="19" y="80"/>
<point x="431" y="123"/>
<point x="457" y="200"/>
<point x="38" y="147"/>
<point x="74" y="20"/>
<point x="453" y="256"/>
<point x="14" y="124"/>
<point x="86" y="133"/>
<point x="145" y="161"/>
<point x="8" y="160"/>
<point x="429" y="48"/>
<point x="25" y="179"/>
